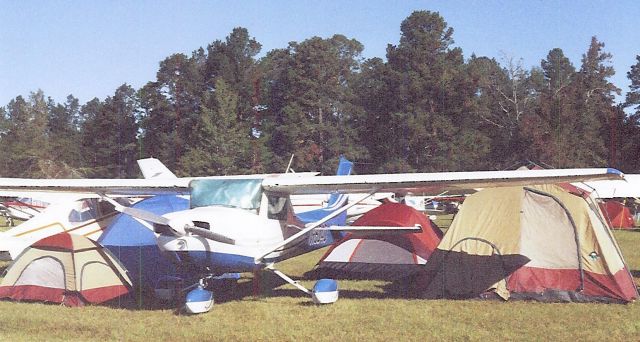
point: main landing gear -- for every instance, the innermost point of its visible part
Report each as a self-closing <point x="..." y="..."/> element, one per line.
<point x="199" y="298"/>
<point x="325" y="291"/>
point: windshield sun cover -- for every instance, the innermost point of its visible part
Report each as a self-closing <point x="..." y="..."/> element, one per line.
<point x="237" y="193"/>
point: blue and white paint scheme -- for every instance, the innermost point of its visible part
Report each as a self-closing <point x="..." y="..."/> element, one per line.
<point x="254" y="223"/>
<point x="198" y="300"/>
<point x="325" y="291"/>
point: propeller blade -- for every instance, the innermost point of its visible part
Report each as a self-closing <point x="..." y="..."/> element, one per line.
<point x="207" y="234"/>
<point x="145" y="215"/>
<point x="140" y="214"/>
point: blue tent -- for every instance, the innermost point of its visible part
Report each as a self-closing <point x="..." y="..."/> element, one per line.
<point x="135" y="245"/>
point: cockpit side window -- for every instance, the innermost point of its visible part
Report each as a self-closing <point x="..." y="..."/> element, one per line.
<point x="278" y="207"/>
<point x="85" y="210"/>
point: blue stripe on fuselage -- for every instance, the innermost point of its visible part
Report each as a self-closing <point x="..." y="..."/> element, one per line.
<point x="218" y="262"/>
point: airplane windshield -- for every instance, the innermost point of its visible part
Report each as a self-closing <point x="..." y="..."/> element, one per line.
<point x="237" y="193"/>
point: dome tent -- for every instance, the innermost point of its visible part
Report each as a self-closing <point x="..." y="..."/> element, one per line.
<point x="383" y="256"/>
<point x="135" y="245"/>
<point x="65" y="268"/>
<point x="538" y="242"/>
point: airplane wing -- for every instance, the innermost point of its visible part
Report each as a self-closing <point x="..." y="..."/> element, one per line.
<point x="16" y="187"/>
<point x="55" y="191"/>
<point x="12" y="187"/>
<point x="420" y="183"/>
<point x="400" y="183"/>
<point x="434" y="183"/>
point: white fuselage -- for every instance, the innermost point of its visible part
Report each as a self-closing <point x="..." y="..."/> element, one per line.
<point x="254" y="234"/>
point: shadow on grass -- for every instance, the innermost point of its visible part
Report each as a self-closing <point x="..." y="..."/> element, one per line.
<point x="269" y="285"/>
<point x="388" y="289"/>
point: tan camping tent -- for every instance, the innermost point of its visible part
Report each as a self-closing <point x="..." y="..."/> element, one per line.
<point x="65" y="268"/>
<point x="537" y="242"/>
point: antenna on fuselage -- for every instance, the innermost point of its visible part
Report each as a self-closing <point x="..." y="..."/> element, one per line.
<point x="289" y="169"/>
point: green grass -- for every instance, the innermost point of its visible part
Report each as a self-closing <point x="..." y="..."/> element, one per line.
<point x="365" y="311"/>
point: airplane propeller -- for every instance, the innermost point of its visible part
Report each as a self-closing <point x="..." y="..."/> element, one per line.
<point x="207" y="234"/>
<point x="177" y="228"/>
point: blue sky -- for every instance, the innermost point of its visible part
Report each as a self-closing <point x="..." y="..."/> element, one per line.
<point x="89" y="48"/>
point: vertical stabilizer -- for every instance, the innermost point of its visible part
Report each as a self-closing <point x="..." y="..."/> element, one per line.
<point x="153" y="168"/>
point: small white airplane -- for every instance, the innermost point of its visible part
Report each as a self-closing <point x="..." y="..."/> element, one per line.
<point x="85" y="216"/>
<point x="25" y="208"/>
<point x="49" y="213"/>
<point x="21" y="208"/>
<point x="247" y="223"/>
<point x="606" y="189"/>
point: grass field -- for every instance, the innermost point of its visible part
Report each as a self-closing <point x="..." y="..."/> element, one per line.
<point x="364" y="311"/>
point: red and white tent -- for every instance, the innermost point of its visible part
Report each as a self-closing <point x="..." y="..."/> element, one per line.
<point x="383" y="256"/>
<point x="67" y="269"/>
<point x="617" y="215"/>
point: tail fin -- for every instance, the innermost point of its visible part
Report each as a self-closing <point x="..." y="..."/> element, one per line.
<point x="344" y="167"/>
<point x="335" y="202"/>
<point x="153" y="168"/>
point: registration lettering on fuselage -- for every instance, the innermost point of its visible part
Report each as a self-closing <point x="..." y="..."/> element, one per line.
<point x="318" y="238"/>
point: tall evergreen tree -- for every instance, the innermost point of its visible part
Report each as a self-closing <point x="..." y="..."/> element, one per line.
<point x="432" y="98"/>
<point x="180" y="81"/>
<point x="381" y="132"/>
<point x="551" y="129"/>
<point x="234" y="61"/>
<point x="173" y="104"/>
<point x="25" y="143"/>
<point x="158" y="125"/>
<point x="64" y="136"/>
<point x="220" y="139"/>
<point x="596" y="104"/>
<point x="632" y="98"/>
<point x="310" y="108"/>
<point x="110" y="134"/>
<point x="629" y="133"/>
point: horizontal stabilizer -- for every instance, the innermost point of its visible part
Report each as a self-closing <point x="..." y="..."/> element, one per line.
<point x="374" y="229"/>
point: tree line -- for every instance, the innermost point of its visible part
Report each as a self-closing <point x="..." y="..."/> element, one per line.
<point x="222" y="110"/>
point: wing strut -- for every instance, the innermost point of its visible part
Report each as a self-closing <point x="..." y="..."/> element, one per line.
<point x="314" y="225"/>
<point x="288" y="279"/>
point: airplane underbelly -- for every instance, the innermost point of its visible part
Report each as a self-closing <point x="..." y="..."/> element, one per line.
<point x="218" y="262"/>
<point x="202" y="253"/>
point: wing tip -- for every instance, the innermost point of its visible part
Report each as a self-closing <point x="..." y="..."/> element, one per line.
<point x="612" y="171"/>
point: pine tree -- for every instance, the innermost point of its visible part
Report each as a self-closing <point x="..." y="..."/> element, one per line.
<point x="110" y="134"/>
<point x="311" y="103"/>
<point x="25" y="142"/>
<point x="629" y="133"/>
<point x="181" y="83"/>
<point x="632" y="99"/>
<point x="64" y="137"/>
<point x="431" y="98"/>
<point x="551" y="129"/>
<point x="597" y="111"/>
<point x="502" y="103"/>
<point x="158" y="125"/>
<point x="220" y="139"/>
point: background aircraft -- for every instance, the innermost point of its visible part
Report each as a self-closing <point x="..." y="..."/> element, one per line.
<point x="48" y="213"/>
